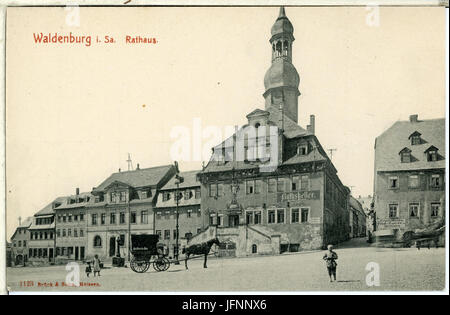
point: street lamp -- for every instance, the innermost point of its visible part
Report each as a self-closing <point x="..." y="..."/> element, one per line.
<point x="178" y="181"/>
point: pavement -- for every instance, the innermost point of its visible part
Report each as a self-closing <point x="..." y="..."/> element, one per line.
<point x="399" y="270"/>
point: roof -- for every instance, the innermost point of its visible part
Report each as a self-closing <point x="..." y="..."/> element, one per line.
<point x="138" y="178"/>
<point x="48" y="209"/>
<point x="282" y="24"/>
<point x="312" y="156"/>
<point x="67" y="205"/>
<point x="26" y="223"/>
<point x="396" y="139"/>
<point x="190" y="180"/>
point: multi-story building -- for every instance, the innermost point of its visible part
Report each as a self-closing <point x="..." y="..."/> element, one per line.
<point x="71" y="227"/>
<point x="189" y="213"/>
<point x="367" y="204"/>
<point x="122" y="205"/>
<point x="357" y="218"/>
<point x="42" y="243"/>
<point x="20" y="240"/>
<point x="409" y="179"/>
<point x="271" y="186"/>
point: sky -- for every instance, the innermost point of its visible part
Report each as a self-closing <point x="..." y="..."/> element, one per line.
<point x="73" y="113"/>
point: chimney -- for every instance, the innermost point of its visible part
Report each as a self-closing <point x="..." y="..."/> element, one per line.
<point x="414" y="118"/>
<point x="311" y="128"/>
<point x="77" y="191"/>
<point x="137" y="167"/>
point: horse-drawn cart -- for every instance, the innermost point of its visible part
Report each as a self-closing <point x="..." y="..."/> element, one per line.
<point x="146" y="251"/>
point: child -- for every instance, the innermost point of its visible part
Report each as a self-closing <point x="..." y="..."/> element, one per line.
<point x="88" y="268"/>
<point x="330" y="257"/>
<point x="96" y="265"/>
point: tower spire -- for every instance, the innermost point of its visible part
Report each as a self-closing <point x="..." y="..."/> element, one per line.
<point x="282" y="12"/>
<point x="282" y="80"/>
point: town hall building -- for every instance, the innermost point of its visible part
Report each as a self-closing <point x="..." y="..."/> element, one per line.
<point x="271" y="187"/>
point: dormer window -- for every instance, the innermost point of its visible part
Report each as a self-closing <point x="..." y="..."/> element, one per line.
<point x="432" y="154"/>
<point x="302" y="149"/>
<point x="405" y="155"/>
<point x="415" y="138"/>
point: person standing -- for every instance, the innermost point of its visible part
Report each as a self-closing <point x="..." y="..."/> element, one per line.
<point x="330" y="258"/>
<point x="96" y="265"/>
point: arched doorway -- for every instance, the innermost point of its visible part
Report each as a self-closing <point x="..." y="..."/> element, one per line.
<point x="19" y="260"/>
<point x="254" y="249"/>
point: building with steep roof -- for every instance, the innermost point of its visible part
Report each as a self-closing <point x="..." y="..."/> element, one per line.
<point x="19" y="243"/>
<point x="42" y="244"/>
<point x="409" y="176"/>
<point x="71" y="226"/>
<point x="189" y="210"/>
<point x="357" y="218"/>
<point x="123" y="205"/>
<point x="271" y="187"/>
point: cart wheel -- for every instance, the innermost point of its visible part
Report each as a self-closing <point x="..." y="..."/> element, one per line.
<point x="140" y="266"/>
<point x="161" y="264"/>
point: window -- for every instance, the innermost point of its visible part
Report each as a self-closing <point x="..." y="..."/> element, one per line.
<point x="219" y="190"/>
<point x="219" y="220"/>
<point x="271" y="216"/>
<point x="413" y="210"/>
<point x="280" y="185"/>
<point x="272" y="187"/>
<point x="75" y="217"/>
<point x="393" y="182"/>
<point x="189" y="213"/>
<point x="158" y="232"/>
<point x="69" y="218"/>
<point x="258" y="184"/>
<point x="304" y="182"/>
<point x="58" y="233"/>
<point x="51" y="235"/>
<point x="187" y="194"/>
<point x="435" y="209"/>
<point x="123" y="196"/>
<point x="64" y="218"/>
<point x="257" y="217"/>
<point x="415" y="139"/>
<point x="167" y="234"/>
<point x="75" y="233"/>
<point x="103" y="218"/>
<point x="249" y="217"/>
<point x="405" y="155"/>
<point x="302" y="150"/>
<point x="174" y="234"/>
<point x="432" y="156"/>
<point x="295" y="215"/>
<point x="294" y="183"/>
<point x="413" y="181"/>
<point x="250" y="185"/>
<point x="305" y="215"/>
<point x="133" y="217"/>
<point x="280" y="216"/>
<point x="64" y="232"/>
<point x="435" y="181"/>
<point x="24" y="243"/>
<point x="81" y="233"/>
<point x="393" y="210"/>
<point x="166" y="196"/>
<point x="213" y="190"/>
<point x="112" y="218"/>
<point x="81" y="217"/>
<point x="144" y="217"/>
<point x="197" y="193"/>
<point x="20" y="243"/>
<point x="97" y="241"/>
<point x="122" y="218"/>
<point x="59" y="218"/>
<point x="94" y="219"/>
<point x="254" y="249"/>
<point x="69" y="232"/>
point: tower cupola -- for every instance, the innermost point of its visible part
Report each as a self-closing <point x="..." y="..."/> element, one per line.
<point x="282" y="80"/>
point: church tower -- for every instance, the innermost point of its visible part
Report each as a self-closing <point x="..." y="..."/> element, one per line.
<point x="282" y="80"/>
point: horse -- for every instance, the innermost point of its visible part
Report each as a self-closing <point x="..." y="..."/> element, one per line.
<point x="199" y="249"/>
